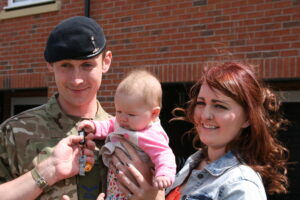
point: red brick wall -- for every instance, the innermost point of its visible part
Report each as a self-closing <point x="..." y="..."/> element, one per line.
<point x="172" y="38"/>
<point x="22" y="42"/>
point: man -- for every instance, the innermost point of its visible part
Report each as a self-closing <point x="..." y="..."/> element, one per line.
<point x="75" y="54"/>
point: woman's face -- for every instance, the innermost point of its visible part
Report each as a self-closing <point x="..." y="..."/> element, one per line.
<point x="218" y="118"/>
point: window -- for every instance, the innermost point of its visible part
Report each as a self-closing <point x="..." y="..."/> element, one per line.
<point x="23" y="3"/>
<point x="20" y="8"/>
<point x="19" y="104"/>
<point x="17" y="100"/>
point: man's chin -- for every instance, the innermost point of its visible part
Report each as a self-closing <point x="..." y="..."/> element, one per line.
<point x="74" y="101"/>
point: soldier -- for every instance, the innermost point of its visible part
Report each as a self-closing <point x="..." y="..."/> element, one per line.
<point x="32" y="160"/>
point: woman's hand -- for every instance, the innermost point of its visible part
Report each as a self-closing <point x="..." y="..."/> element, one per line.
<point x="134" y="175"/>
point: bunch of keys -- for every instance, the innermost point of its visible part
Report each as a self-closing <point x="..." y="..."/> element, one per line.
<point x="83" y="165"/>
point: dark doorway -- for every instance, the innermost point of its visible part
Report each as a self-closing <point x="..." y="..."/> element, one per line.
<point x="291" y="139"/>
<point x="175" y="95"/>
<point x="15" y="101"/>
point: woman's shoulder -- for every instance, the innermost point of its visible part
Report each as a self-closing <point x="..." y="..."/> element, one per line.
<point x="244" y="172"/>
<point x="242" y="181"/>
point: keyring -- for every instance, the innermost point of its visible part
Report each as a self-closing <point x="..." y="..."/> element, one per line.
<point x="118" y="163"/>
<point x="129" y="195"/>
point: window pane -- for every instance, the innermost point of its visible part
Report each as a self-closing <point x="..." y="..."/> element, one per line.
<point x="21" y="3"/>
<point x="15" y="1"/>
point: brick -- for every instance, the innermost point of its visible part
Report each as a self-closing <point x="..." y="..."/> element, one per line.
<point x="272" y="26"/>
<point x="282" y="18"/>
<point x="199" y="2"/>
<point x="237" y="42"/>
<point x="254" y="55"/>
<point x="270" y="54"/>
<point x="207" y="33"/>
<point x="289" y="53"/>
<point x="291" y="24"/>
<point x="222" y="18"/>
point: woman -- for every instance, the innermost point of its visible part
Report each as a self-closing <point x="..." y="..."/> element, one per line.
<point x="236" y="120"/>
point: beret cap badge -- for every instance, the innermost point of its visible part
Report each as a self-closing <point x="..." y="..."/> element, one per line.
<point x="94" y="44"/>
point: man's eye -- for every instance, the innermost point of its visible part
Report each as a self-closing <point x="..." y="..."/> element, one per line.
<point x="65" y="65"/>
<point x="131" y="115"/>
<point x="87" y="65"/>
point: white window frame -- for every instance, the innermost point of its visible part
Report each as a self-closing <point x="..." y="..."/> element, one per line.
<point x="11" y="4"/>
<point x="26" y="101"/>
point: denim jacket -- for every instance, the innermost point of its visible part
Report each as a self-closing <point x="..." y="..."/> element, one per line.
<point x="223" y="179"/>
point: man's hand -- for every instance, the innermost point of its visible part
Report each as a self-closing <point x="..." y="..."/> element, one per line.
<point x="65" y="157"/>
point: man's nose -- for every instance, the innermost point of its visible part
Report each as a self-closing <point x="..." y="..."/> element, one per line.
<point x="77" y="77"/>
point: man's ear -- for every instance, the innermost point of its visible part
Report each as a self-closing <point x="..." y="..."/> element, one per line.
<point x="50" y="67"/>
<point x="155" y="112"/>
<point x="106" y="61"/>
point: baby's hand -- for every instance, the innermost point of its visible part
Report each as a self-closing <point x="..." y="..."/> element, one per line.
<point x="87" y="125"/>
<point x="161" y="182"/>
<point x="101" y="196"/>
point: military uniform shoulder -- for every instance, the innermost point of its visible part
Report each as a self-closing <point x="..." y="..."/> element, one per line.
<point x="31" y="114"/>
<point x="101" y="113"/>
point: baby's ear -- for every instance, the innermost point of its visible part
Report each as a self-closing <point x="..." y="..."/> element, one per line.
<point x="155" y="112"/>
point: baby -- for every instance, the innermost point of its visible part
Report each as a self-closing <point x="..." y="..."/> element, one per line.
<point x="137" y="103"/>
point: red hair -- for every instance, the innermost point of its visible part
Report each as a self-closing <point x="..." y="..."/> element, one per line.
<point x="257" y="146"/>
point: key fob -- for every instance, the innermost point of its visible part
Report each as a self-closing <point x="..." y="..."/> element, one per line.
<point x="82" y="133"/>
<point x="82" y="163"/>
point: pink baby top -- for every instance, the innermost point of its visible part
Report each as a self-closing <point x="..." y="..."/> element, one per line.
<point x="151" y="142"/>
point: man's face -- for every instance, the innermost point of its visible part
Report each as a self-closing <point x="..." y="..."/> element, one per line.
<point x="79" y="80"/>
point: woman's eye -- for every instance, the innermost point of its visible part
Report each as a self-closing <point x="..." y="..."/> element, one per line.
<point x="200" y="103"/>
<point x="131" y="115"/>
<point x="220" y="106"/>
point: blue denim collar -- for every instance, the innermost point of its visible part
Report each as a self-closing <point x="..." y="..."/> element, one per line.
<point x="224" y="163"/>
<point x="217" y="167"/>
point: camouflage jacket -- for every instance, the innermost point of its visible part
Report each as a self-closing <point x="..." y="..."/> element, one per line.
<point x="28" y="138"/>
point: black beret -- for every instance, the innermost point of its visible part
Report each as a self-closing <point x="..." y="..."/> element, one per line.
<point x="75" y="38"/>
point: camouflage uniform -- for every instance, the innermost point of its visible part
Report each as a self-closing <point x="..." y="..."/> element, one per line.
<point x="29" y="137"/>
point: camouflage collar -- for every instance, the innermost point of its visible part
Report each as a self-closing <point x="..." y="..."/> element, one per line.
<point x="54" y="110"/>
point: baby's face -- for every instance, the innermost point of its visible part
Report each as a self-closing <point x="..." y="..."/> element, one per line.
<point x="131" y="113"/>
